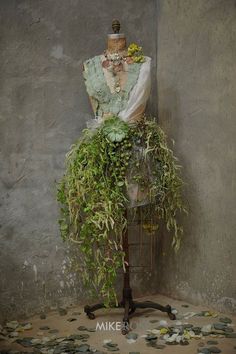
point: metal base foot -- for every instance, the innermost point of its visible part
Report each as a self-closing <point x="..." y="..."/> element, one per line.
<point x="130" y="307"/>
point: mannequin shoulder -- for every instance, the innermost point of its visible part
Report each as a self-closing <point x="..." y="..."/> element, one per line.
<point x="146" y="65"/>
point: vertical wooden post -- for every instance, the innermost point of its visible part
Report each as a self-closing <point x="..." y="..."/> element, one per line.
<point x="125" y="243"/>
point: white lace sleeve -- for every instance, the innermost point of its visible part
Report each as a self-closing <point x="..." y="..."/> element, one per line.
<point x="140" y="92"/>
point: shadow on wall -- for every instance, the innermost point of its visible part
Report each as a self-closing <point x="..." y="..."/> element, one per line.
<point x="171" y="276"/>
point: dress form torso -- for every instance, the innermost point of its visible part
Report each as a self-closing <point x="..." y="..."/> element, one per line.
<point x="135" y="82"/>
<point x="129" y="104"/>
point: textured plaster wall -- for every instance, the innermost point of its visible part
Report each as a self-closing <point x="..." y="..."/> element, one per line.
<point x="43" y="108"/>
<point x="196" y="76"/>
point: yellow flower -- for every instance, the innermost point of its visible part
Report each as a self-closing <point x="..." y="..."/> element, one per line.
<point x="135" y="52"/>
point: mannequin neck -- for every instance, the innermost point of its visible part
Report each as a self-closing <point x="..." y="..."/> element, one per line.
<point x="116" y="45"/>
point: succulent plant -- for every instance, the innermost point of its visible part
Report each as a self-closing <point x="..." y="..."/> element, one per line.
<point x="115" y="129"/>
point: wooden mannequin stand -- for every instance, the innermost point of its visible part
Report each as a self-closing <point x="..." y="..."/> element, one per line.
<point x="127" y="300"/>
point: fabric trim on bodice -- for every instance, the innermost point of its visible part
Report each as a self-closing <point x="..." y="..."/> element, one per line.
<point x="139" y="94"/>
<point x="98" y="88"/>
<point x="113" y="102"/>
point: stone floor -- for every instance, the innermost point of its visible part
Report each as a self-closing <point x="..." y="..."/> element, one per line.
<point x="141" y="322"/>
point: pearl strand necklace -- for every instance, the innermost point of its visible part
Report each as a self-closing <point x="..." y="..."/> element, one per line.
<point x="114" y="63"/>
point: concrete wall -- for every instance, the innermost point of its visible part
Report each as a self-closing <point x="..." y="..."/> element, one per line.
<point x="196" y="79"/>
<point x="44" y="107"/>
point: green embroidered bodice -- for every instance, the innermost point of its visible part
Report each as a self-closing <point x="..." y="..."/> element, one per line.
<point x="97" y="87"/>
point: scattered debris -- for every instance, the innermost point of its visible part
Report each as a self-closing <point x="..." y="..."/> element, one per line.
<point x="174" y="311"/>
<point x="44" y="328"/>
<point x="207" y="314"/>
<point x="71" y="319"/>
<point x="225" y="320"/>
<point x="188" y="315"/>
<point x="83" y="328"/>
<point x="43" y="316"/>
<point x="164" y="334"/>
<point x="181" y="333"/>
<point x="53" y="331"/>
<point x="163" y="323"/>
<point x="62" y="311"/>
<point x="132" y="335"/>
<point x="111" y="347"/>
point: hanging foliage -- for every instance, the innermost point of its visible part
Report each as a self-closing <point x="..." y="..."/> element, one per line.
<point x="93" y="194"/>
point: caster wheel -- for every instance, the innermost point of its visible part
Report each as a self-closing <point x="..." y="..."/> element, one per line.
<point x="125" y="328"/>
<point x="124" y="331"/>
<point x="91" y="315"/>
<point x="171" y="316"/>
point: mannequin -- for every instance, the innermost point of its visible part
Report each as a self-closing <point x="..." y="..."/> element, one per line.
<point x="121" y="161"/>
<point x="133" y="108"/>
<point x="131" y="112"/>
<point x="117" y="44"/>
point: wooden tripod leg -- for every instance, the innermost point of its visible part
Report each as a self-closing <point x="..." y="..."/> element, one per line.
<point x="127" y="292"/>
<point x="90" y="309"/>
<point x="154" y="305"/>
<point x="125" y="325"/>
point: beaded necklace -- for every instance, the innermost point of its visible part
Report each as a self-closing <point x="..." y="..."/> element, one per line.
<point x="114" y="63"/>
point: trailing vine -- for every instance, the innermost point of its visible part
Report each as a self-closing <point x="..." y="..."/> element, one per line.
<point x="93" y="194"/>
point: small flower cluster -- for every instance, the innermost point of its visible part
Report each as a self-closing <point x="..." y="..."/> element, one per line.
<point x="136" y="53"/>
